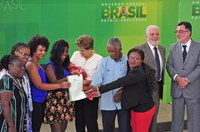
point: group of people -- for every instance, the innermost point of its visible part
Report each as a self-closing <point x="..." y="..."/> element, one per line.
<point x="136" y="83"/>
<point x="131" y="87"/>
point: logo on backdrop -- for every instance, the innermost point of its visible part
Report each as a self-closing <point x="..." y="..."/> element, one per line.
<point x="11" y="5"/>
<point x="123" y="12"/>
<point x="196" y="9"/>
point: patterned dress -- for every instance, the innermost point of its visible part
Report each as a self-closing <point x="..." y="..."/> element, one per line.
<point x="27" y="89"/>
<point x="58" y="106"/>
<point x="17" y="103"/>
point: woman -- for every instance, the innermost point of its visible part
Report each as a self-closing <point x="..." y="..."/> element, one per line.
<point x="137" y="89"/>
<point x="19" y="49"/>
<point x="12" y="95"/>
<point x="86" y="111"/>
<point x="22" y="50"/>
<point x="38" y="83"/>
<point x="58" y="100"/>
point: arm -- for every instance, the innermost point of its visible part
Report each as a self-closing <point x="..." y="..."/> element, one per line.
<point x="170" y="65"/>
<point x="51" y="75"/>
<point x="5" y="100"/>
<point x="98" y="77"/>
<point x="182" y="81"/>
<point x="194" y="75"/>
<point x="117" y="96"/>
<point x="131" y="78"/>
<point x="34" y="76"/>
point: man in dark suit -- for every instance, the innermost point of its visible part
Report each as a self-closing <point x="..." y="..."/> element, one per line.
<point x="155" y="58"/>
<point x="183" y="66"/>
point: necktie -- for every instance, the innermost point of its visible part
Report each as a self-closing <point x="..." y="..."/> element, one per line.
<point x="184" y="53"/>
<point x="157" y="62"/>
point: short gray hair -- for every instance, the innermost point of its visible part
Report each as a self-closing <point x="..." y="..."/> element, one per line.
<point x="151" y="27"/>
<point x="115" y="42"/>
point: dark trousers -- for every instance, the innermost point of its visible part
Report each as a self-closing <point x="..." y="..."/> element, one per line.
<point x="86" y="114"/>
<point x="37" y="116"/>
<point x="108" y="118"/>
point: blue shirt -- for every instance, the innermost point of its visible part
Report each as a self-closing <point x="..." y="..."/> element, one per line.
<point x="37" y="94"/>
<point x="109" y="71"/>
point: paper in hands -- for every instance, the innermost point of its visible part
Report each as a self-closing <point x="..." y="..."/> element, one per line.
<point x="76" y="89"/>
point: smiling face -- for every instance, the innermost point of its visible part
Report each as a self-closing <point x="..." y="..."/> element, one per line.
<point x="65" y="54"/>
<point x="40" y="52"/>
<point x="153" y="36"/>
<point x="134" y="59"/>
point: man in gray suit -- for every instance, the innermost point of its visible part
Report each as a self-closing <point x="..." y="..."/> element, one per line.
<point x="155" y="58"/>
<point x="183" y="66"/>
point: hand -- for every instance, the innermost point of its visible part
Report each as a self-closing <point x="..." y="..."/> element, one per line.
<point x="182" y="82"/>
<point x="65" y="84"/>
<point x="83" y="72"/>
<point x="75" y="70"/>
<point x="86" y="82"/>
<point x="86" y="88"/>
<point x="188" y="80"/>
<point x="12" y="129"/>
<point x="117" y="96"/>
<point x="89" y="90"/>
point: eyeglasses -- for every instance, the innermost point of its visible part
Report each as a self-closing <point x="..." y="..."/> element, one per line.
<point x="181" y="31"/>
<point x="24" y="54"/>
<point x="134" y="58"/>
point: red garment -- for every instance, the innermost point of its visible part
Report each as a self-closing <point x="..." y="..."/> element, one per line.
<point x="141" y="120"/>
<point x="73" y="68"/>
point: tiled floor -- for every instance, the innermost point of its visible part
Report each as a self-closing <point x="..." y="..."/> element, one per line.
<point x="163" y="116"/>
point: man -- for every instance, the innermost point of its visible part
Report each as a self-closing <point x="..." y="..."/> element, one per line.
<point x="155" y="58"/>
<point x="112" y="68"/>
<point x="183" y="66"/>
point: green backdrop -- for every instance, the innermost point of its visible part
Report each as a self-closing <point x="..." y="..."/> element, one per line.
<point x="102" y="19"/>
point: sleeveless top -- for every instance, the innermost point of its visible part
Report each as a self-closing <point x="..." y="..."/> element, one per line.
<point x="66" y="73"/>
<point x="37" y="94"/>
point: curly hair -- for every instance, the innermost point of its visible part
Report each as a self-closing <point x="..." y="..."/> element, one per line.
<point x="56" y="53"/>
<point x="36" y="41"/>
<point x="18" y="46"/>
<point x="85" y="42"/>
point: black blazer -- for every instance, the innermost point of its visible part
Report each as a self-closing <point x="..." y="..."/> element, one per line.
<point x="136" y="94"/>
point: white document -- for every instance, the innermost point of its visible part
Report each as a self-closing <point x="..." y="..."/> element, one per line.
<point x="76" y="89"/>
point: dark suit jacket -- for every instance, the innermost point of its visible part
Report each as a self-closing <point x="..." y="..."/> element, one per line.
<point x="136" y="93"/>
<point x="149" y="59"/>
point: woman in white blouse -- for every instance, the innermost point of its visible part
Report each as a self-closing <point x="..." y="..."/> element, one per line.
<point x="86" y="111"/>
